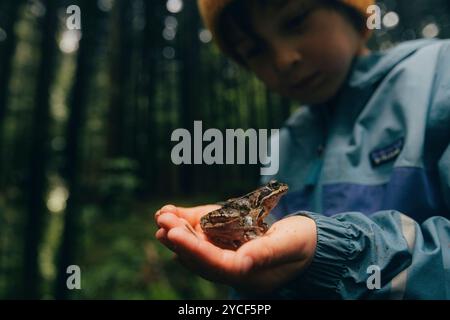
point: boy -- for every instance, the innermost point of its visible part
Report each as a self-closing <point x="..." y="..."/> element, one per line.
<point x="368" y="161"/>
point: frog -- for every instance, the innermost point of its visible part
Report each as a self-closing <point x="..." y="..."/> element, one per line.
<point x="241" y="219"/>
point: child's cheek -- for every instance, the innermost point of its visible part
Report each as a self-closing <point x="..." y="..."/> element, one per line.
<point x="334" y="61"/>
<point x="331" y="50"/>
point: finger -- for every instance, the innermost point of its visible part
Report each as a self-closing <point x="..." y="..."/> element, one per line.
<point x="261" y="250"/>
<point x="270" y="250"/>
<point x="287" y="241"/>
<point x="193" y="215"/>
<point x="169" y="221"/>
<point x="161" y="235"/>
<point x="204" y="253"/>
<point x="157" y="214"/>
<point x="168" y="208"/>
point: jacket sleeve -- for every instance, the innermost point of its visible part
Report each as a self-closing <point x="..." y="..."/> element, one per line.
<point x="385" y="256"/>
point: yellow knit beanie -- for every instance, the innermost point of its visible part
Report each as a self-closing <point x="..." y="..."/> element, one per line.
<point x="210" y="10"/>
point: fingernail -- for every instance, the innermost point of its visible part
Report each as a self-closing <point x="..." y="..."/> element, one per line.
<point x="168" y="208"/>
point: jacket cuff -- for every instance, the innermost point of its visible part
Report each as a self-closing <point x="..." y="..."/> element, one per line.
<point x="335" y="248"/>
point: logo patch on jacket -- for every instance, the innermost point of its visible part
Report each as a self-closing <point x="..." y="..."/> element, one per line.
<point x="386" y="154"/>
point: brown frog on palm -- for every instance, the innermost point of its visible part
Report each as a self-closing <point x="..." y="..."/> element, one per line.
<point x="240" y="220"/>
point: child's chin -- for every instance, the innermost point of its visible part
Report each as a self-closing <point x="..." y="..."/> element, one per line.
<point x="320" y="95"/>
<point x="312" y="99"/>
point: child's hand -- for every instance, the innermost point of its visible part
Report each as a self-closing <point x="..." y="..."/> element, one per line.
<point x="259" y="266"/>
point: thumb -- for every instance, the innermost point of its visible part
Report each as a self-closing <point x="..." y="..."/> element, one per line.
<point x="289" y="240"/>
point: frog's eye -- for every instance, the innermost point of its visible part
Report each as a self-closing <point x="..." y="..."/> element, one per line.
<point x="273" y="184"/>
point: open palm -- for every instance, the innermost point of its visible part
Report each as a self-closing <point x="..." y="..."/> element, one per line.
<point x="260" y="265"/>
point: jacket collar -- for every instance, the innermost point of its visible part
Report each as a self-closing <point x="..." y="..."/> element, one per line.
<point x="366" y="72"/>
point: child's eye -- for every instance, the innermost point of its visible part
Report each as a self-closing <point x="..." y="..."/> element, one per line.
<point x="298" y="22"/>
<point x="295" y="22"/>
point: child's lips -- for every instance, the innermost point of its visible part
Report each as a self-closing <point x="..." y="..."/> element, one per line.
<point x="305" y="82"/>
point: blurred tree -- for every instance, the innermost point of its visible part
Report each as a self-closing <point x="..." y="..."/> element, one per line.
<point x="9" y="18"/>
<point x="120" y="62"/>
<point x="151" y="51"/>
<point x="119" y="177"/>
<point x="188" y="54"/>
<point x="73" y="170"/>
<point x="39" y="156"/>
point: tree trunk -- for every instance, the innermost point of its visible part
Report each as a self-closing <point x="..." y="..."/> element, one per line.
<point x="73" y="156"/>
<point x="38" y="156"/>
<point x="7" y="49"/>
<point x="189" y="89"/>
<point x="152" y="36"/>
<point x="119" y="76"/>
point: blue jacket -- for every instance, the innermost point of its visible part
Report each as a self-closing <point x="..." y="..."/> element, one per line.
<point x="373" y="171"/>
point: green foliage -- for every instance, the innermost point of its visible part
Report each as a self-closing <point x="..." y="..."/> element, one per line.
<point x="123" y="260"/>
<point x="118" y="185"/>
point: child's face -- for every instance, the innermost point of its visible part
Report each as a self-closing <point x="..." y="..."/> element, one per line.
<point x="298" y="52"/>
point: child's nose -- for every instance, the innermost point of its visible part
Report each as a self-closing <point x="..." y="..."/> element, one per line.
<point x="284" y="58"/>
